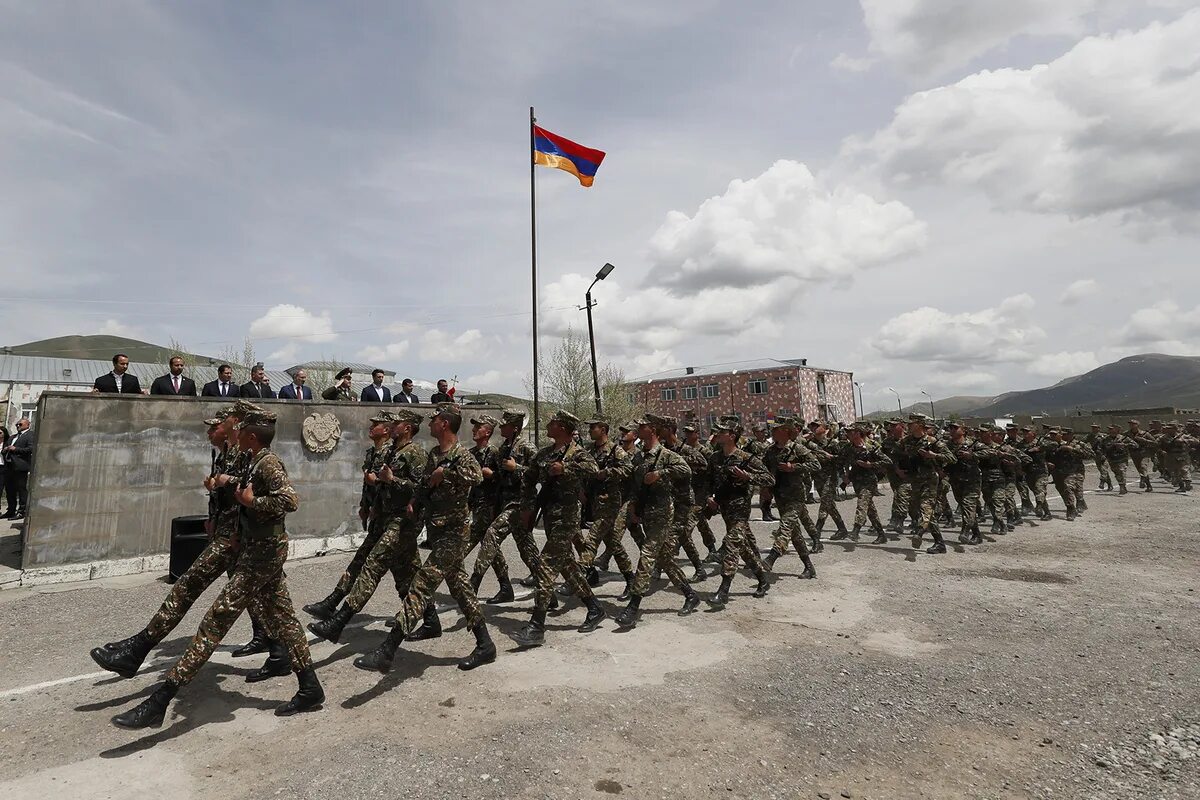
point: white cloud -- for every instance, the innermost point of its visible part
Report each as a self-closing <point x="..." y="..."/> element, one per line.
<point x="1079" y="290"/>
<point x="112" y="327"/>
<point x="1111" y="127"/>
<point x="654" y="361"/>
<point x="286" y="321"/>
<point x="439" y="345"/>
<point x="1064" y="364"/>
<point x="962" y="380"/>
<point x="489" y="381"/>
<point x="994" y="335"/>
<point x="388" y="354"/>
<point x="847" y="63"/>
<point x="1162" y="324"/>
<point x="285" y="355"/>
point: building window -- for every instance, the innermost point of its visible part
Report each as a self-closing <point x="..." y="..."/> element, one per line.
<point x="785" y="376"/>
<point x="820" y="387"/>
<point x="711" y="422"/>
<point x="785" y="412"/>
<point x="709" y="391"/>
<point x="668" y="394"/>
<point x="689" y="393"/>
<point x="760" y="416"/>
<point x="758" y="386"/>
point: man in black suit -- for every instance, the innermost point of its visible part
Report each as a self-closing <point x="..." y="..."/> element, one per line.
<point x="119" y="381"/>
<point x="223" y="386"/>
<point x="175" y="383"/>
<point x="376" y="392"/>
<point x="406" y="393"/>
<point x="296" y="390"/>
<point x="258" y="386"/>
<point x="19" y="458"/>
<point x="442" y="395"/>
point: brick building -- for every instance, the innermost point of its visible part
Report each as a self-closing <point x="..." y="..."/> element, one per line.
<point x="756" y="391"/>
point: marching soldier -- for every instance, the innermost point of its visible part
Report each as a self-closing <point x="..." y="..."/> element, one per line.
<point x="865" y="465"/>
<point x="1095" y="440"/>
<point x="700" y="491"/>
<point x="734" y="474"/>
<point x="1037" y="472"/>
<point x="965" y="480"/>
<point x="606" y="496"/>
<point x="826" y="449"/>
<point x="920" y="456"/>
<point x="682" y="521"/>
<point x="897" y="478"/>
<point x="792" y="464"/>
<point x="1117" y="449"/>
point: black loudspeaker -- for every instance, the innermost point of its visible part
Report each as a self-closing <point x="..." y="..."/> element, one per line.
<point x="188" y="540"/>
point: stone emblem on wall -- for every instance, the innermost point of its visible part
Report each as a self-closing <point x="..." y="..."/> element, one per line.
<point x="321" y="432"/>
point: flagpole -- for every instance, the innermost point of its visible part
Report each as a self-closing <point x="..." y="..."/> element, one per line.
<point x="533" y="252"/>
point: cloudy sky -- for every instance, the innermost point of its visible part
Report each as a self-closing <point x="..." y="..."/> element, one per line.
<point x="942" y="195"/>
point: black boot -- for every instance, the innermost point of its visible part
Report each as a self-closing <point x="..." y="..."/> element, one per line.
<point x="595" y="615"/>
<point x="380" y="659"/>
<point x="431" y="626"/>
<point x="123" y="643"/>
<point x="553" y="604"/>
<point x="839" y="534"/>
<point x="505" y="595"/>
<point x="593" y="577"/>
<point x="809" y="570"/>
<point x="854" y="532"/>
<point x="534" y="632"/>
<point x="974" y="537"/>
<point x="308" y="697"/>
<point x="331" y="629"/>
<point x="258" y="643"/>
<point x="529" y="582"/>
<point x="1124" y="489"/>
<point x="323" y="609"/>
<point x="763" y="585"/>
<point x="484" y="652"/>
<point x="939" y="544"/>
<point x="772" y="556"/>
<point x="629" y="615"/>
<point x="691" y="601"/>
<point x="603" y="561"/>
<point x="721" y="596"/>
<point x="625" y="595"/>
<point x="880" y="535"/>
<point x="278" y="663"/>
<point x="476" y="582"/>
<point x="126" y="660"/>
<point x="150" y="712"/>
<point x="815" y="545"/>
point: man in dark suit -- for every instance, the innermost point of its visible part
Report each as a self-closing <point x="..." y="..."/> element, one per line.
<point x="376" y="392"/>
<point x="296" y="390"/>
<point x="223" y="386"/>
<point x="175" y="383"/>
<point x="19" y="455"/>
<point x="258" y="386"/>
<point x="406" y="393"/>
<point x="442" y="395"/>
<point x="119" y="381"/>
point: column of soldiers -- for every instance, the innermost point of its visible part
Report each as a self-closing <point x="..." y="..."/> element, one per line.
<point x="648" y="482"/>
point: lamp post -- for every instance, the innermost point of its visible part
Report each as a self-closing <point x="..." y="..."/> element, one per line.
<point x="932" y="413"/>
<point x="899" y="405"/>
<point x="604" y="272"/>
<point x="861" y="410"/>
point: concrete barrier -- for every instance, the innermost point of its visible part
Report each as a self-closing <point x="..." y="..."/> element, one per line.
<point x="110" y="472"/>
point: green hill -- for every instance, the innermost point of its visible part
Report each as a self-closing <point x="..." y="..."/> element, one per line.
<point x="102" y="348"/>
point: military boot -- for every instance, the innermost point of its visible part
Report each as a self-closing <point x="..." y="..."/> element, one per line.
<point x="593" y="577"/>
<point x="699" y="576"/>
<point x="629" y="579"/>
<point x="380" y="659"/>
<point x="122" y="643"/>
<point x="880" y="535"/>
<point x="150" y="712"/>
<point x="476" y="582"/>
<point x="721" y="596"/>
<point x="534" y="632"/>
<point x="839" y="534"/>
<point x="431" y="625"/>
<point x="713" y="557"/>
<point x="815" y="545"/>
<point x="603" y="561"/>
<point x="1081" y="505"/>
<point x="529" y="582"/>
<point x="331" y="629"/>
<point x="939" y="544"/>
<point x="629" y="615"/>
<point x="764" y="584"/>
<point x="595" y="615"/>
<point x="1124" y="489"/>
<point x="323" y="609"/>
<point x="484" y="652"/>
<point x="505" y="595"/>
<point x="1070" y="515"/>
<point x="809" y="570"/>
<point x="691" y="601"/>
<point x="974" y="537"/>
<point x="308" y="697"/>
<point x="773" y="555"/>
<point x="259" y="642"/>
<point x="278" y="663"/>
<point x="126" y="657"/>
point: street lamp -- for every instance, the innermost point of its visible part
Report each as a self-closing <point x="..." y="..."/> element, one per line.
<point x="604" y="272"/>
<point x="932" y="413"/>
<point x="861" y="409"/>
<point x="899" y="405"/>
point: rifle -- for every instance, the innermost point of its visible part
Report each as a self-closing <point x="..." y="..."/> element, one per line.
<point x="596" y="484"/>
<point x="424" y="491"/>
<point x="722" y="484"/>
<point x="640" y="489"/>
<point x="543" y="495"/>
<point x="214" y="505"/>
<point x="503" y="476"/>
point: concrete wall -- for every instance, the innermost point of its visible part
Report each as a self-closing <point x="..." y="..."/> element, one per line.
<point x="111" y="471"/>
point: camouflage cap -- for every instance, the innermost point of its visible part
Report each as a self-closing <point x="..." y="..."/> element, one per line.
<point x="566" y="419"/>
<point x="924" y="420"/>
<point x="1156" y="422"/>
<point x="512" y="416"/>
<point x="218" y="418"/>
<point x="383" y="418"/>
<point x="689" y="428"/>
<point x="485" y="419"/>
<point x="760" y="427"/>
<point x="1011" y="426"/>
<point x="726" y="425"/>
<point x="1025" y="428"/>
<point x="1095" y="425"/>
<point x="258" y="418"/>
<point x="987" y="426"/>
<point x="860" y="427"/>
<point x="1066" y="430"/>
<point x="628" y="427"/>
<point x="447" y="410"/>
<point x="597" y="420"/>
<point x="660" y="421"/>
<point x="953" y="424"/>
<point x="730" y="419"/>
<point x="893" y="421"/>
<point x="405" y="415"/>
<point x="1170" y="425"/>
<point x="782" y="422"/>
<point x="1132" y="422"/>
<point x="243" y="407"/>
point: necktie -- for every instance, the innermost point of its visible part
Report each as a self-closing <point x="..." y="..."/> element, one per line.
<point x="224" y="389"/>
<point x="175" y="380"/>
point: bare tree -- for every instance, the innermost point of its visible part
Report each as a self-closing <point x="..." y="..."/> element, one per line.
<point x="177" y="349"/>
<point x="241" y="360"/>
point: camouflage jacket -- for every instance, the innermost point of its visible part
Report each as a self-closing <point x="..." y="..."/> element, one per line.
<point x="966" y="469"/>
<point x="1147" y="444"/>
<point x="223" y="507"/>
<point x="670" y="467"/>
<point x="828" y="453"/>
<point x="1014" y="460"/>
<point x="613" y="468"/>
<point x="908" y="456"/>
<point x="791" y="486"/>
<point x="561" y="501"/>
<point x="890" y="448"/>
<point x="697" y="457"/>
<point x="408" y="465"/>
<point x="445" y="505"/>
<point x="860" y="476"/>
<point x="683" y="496"/>
<point x="1096" y="441"/>
<point x="262" y="529"/>
<point x="373" y="460"/>
<point x="1117" y="449"/>
<point x="483" y="497"/>
<point x="509" y="485"/>
<point x="1067" y="458"/>
<point x="1180" y="446"/>
<point x="732" y="495"/>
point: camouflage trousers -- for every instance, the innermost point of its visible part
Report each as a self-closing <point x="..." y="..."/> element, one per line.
<point x="794" y="523"/>
<point x="558" y="558"/>
<point x="966" y="495"/>
<point x="1069" y="487"/>
<point x="1023" y="490"/>
<point x="924" y="500"/>
<point x="706" y="531"/>
<point x="346" y="581"/>
<point x="864" y="509"/>
<point x="738" y="543"/>
<point x="608" y="528"/>
<point x="257" y="582"/>
<point x="1118" y="469"/>
<point x="448" y="548"/>
<point x="827" y="485"/>
<point x="1142" y="464"/>
<point x="658" y="548"/>
<point x="218" y="557"/>
<point x="1037" y="487"/>
<point x="1102" y="468"/>
<point x="1011" y="509"/>
<point x="993" y="498"/>
<point x="507" y="522"/>
<point x="682" y="522"/>
<point x="395" y="550"/>
<point x="901" y="499"/>
<point x="1178" y="467"/>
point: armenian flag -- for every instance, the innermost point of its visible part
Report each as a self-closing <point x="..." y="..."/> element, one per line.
<point x="552" y="150"/>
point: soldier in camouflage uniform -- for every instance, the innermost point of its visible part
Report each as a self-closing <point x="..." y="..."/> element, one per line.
<point x="1144" y="455"/>
<point x="1095" y="440"/>
<point x="450" y="473"/>
<point x="266" y="496"/>
<point x="658" y="473"/>
<point x="792" y="464"/>
<point x="1014" y="461"/>
<point x="1080" y="468"/>
<point x="901" y="487"/>
<point x="606" y="495"/>
<point x="1156" y="457"/>
<point x="1065" y="459"/>
<point x="1117" y="449"/>
<point x="1016" y="440"/>
<point x="965" y="479"/>
<point x="370" y="511"/>
<point x="684" y="501"/>
<point x="700" y="492"/>
<point x="918" y="458"/>
<point x="758" y="447"/>
<point x="402" y="472"/>
<point x="1176" y="449"/>
<point x="125" y="657"/>
<point x="560" y="469"/>
<point x="864" y="465"/>
<point x="485" y="498"/>
<point x="827" y="451"/>
<point x="1037" y="473"/>
<point x="514" y="456"/>
<point x="734" y="474"/>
